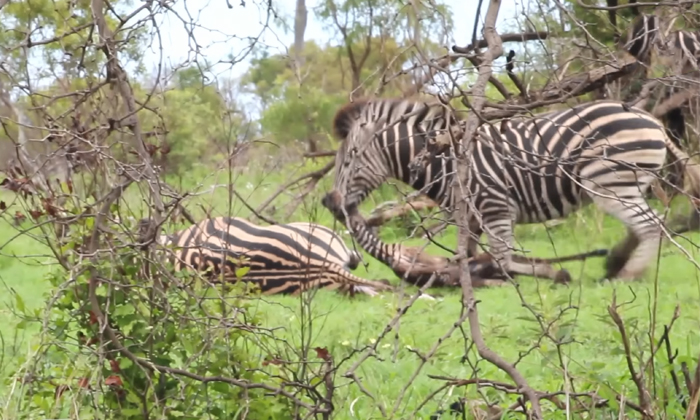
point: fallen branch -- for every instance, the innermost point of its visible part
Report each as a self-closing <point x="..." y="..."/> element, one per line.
<point x="553" y="397"/>
<point x="380" y="217"/>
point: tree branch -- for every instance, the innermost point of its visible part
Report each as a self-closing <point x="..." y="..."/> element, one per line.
<point x="117" y="76"/>
<point x="463" y="215"/>
<point x="519" y="37"/>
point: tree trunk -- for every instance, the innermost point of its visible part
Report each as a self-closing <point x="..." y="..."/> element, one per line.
<point x="299" y="29"/>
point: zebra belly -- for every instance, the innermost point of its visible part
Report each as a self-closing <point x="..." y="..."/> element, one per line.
<point x="529" y="196"/>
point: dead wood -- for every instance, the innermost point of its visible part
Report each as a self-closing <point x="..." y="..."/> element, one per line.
<point x="560" y="91"/>
<point x="380" y="216"/>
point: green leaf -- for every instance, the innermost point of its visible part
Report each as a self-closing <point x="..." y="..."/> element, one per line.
<point x="242" y="271"/>
<point x="221" y="387"/>
<point x="19" y="302"/>
<point x="598" y="366"/>
<point x="126" y="309"/>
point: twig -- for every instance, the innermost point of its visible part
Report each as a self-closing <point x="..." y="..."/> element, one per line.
<point x="323" y="153"/>
<point x="637" y="377"/>
<point x="251" y="209"/>
<point x="695" y="395"/>
<point x="314" y="176"/>
<point x="671" y="358"/>
<point x="509" y="69"/>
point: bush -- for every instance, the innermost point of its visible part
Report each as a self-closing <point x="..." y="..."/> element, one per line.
<point x="184" y="349"/>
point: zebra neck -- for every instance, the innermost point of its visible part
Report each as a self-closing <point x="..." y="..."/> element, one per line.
<point x="385" y="253"/>
<point x="435" y="180"/>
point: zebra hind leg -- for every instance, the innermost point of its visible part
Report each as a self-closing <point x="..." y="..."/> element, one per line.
<point x="630" y="258"/>
<point x="620" y="254"/>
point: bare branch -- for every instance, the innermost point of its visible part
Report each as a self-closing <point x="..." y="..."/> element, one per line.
<point x="463" y="215"/>
<point x="520" y="37"/>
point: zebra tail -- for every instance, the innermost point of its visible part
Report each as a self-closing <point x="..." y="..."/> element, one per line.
<point x="349" y="278"/>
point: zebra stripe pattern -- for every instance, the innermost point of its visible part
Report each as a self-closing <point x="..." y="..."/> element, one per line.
<point x="530" y="170"/>
<point x="642" y="35"/>
<point x="282" y="259"/>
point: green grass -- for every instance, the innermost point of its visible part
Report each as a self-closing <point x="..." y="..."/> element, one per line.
<point x="341" y="324"/>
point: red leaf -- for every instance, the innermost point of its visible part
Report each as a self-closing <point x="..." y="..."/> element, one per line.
<point x="114" y="380"/>
<point x="19" y="216"/>
<point x="69" y="183"/>
<point x="151" y="149"/>
<point x="49" y="207"/>
<point x="84" y="382"/>
<point x="322" y="352"/>
<point x="275" y="361"/>
<point x="36" y="214"/>
<point x="115" y="366"/>
<point x="93" y="318"/>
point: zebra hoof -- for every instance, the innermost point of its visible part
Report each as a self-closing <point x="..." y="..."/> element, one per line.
<point x="614" y="264"/>
<point x="562" y="277"/>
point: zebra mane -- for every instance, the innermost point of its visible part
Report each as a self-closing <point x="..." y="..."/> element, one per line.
<point x="346" y="116"/>
<point x="352" y="111"/>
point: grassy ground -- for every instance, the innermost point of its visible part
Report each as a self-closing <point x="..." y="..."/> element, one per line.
<point x="341" y="324"/>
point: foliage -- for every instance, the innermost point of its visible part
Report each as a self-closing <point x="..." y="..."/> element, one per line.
<point x="68" y="23"/>
<point x="297" y="350"/>
<point x="206" y="331"/>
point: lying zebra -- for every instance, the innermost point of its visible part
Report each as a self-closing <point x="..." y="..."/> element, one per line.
<point x="282" y="259"/>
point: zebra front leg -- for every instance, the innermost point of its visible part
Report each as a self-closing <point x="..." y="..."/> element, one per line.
<point x="500" y="237"/>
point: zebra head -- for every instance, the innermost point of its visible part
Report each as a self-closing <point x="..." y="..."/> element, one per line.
<point x="360" y="164"/>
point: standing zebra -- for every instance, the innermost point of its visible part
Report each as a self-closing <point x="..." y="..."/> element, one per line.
<point x="531" y="170"/>
<point x="282" y="259"/>
<point x="680" y="50"/>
